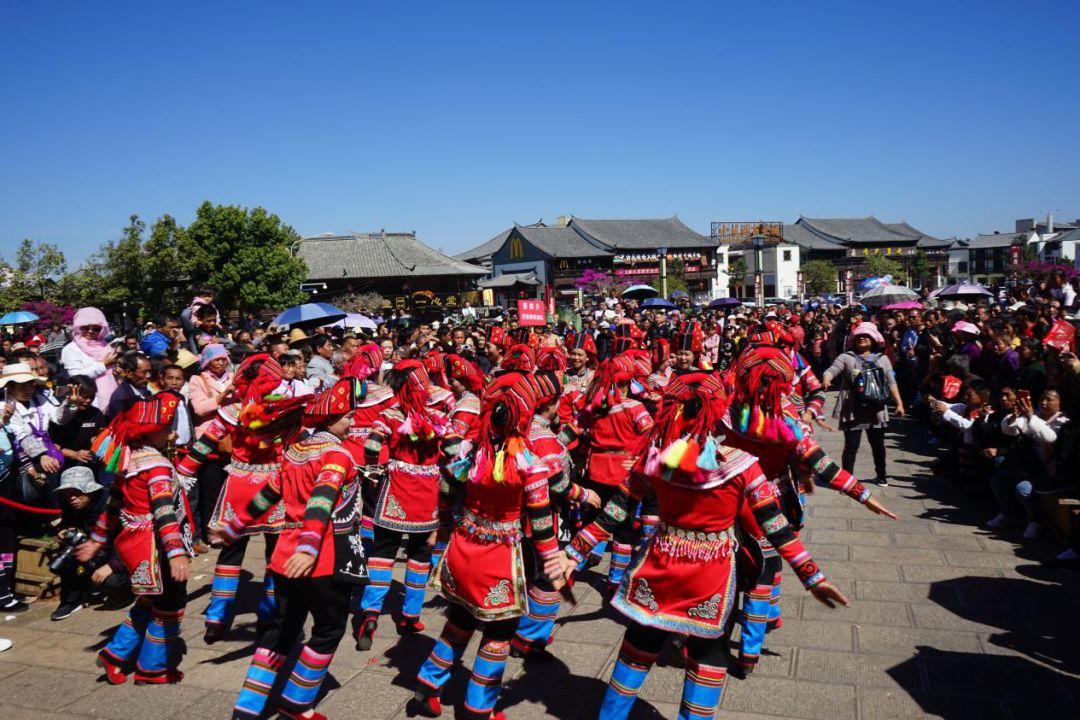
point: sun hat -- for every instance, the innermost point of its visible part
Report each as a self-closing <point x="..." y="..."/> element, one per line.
<point x="962" y="326"/>
<point x="79" y="478"/>
<point x="185" y="358"/>
<point x="297" y="336"/>
<point x="870" y="330"/>
<point x="18" y="373"/>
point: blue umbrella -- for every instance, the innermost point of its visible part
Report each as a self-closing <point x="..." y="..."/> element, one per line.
<point x="310" y="315"/>
<point x="679" y="295"/>
<point x="18" y="317"/>
<point x="640" y="291"/>
<point x="719" y="303"/>
<point x="658" y="303"/>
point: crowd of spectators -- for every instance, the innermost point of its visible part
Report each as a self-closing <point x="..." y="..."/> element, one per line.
<point x="995" y="381"/>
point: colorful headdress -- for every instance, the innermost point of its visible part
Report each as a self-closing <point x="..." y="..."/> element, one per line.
<point x="687" y="429"/>
<point x="465" y="372"/>
<point x="761" y="377"/>
<point x="502" y="454"/>
<point x="258" y="376"/>
<point x="604" y="390"/>
<point x="551" y="358"/>
<point x="772" y="333"/>
<point x="412" y="389"/>
<point x="525" y="336"/>
<point x="496" y="335"/>
<point x="548" y="386"/>
<point x="212" y="352"/>
<point x="582" y="341"/>
<point x="435" y="364"/>
<point x="627" y="336"/>
<point x="519" y="357"/>
<point x="689" y="337"/>
<point x="338" y="399"/>
<point x="364" y="363"/>
<point x="139" y="419"/>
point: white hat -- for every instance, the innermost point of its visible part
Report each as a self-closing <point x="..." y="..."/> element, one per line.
<point x="79" y="478"/>
<point x="19" y="373"/>
<point x="605" y="324"/>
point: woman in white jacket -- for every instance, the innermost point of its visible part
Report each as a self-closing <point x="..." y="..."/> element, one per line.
<point x="88" y="353"/>
<point x="1041" y="429"/>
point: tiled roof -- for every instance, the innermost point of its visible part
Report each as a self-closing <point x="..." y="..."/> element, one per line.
<point x="863" y="231"/>
<point x="642" y="234"/>
<point x="377" y="255"/>
<point x="561" y="242"/>
<point x="993" y="240"/>
<point x="484" y="252"/>
<point x="805" y="238"/>
<point x="509" y="280"/>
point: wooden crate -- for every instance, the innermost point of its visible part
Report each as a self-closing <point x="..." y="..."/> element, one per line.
<point x="32" y="576"/>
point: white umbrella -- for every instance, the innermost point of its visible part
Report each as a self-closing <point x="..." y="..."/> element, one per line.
<point x="357" y="321"/>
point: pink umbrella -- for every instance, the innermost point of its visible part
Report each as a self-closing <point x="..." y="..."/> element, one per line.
<point x="906" y="305"/>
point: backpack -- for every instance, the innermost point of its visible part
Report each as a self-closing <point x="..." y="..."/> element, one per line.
<point x="871" y="389"/>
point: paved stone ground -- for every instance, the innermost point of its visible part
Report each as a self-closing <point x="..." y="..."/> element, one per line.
<point x="947" y="620"/>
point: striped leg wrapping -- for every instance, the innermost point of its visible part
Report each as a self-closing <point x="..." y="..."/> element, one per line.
<point x="486" y="679"/>
<point x="595" y="556"/>
<point x="128" y="638"/>
<point x="260" y="679"/>
<point x="367" y="534"/>
<point x="223" y="595"/>
<point x="620" y="560"/>
<point x="755" y="614"/>
<point x="447" y="652"/>
<point x="437" y="553"/>
<point x="302" y="689"/>
<point x="416" y="578"/>
<point x="701" y="691"/>
<point x="626" y="681"/>
<point x="648" y="527"/>
<point x="268" y="604"/>
<point x="774" y="602"/>
<point x="380" y="574"/>
<point x="160" y="651"/>
<point x="536" y="626"/>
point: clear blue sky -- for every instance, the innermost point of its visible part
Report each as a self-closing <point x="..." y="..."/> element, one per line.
<point x="456" y="119"/>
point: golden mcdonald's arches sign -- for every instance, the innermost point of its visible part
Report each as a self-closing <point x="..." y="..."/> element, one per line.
<point x="517" y="249"/>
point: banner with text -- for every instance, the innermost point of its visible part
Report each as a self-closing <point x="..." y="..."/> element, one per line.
<point x="531" y="312"/>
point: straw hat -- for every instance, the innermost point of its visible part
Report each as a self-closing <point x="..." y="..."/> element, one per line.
<point x="297" y="336"/>
<point x="185" y="358"/>
<point x="18" y="373"/>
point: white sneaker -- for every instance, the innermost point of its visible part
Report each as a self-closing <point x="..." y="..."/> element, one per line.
<point x="1068" y="554"/>
<point x="1031" y="531"/>
<point x="5" y="644"/>
<point x="999" y="521"/>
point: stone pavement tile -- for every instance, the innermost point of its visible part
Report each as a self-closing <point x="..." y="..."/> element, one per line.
<point x="1014" y="679"/>
<point x="212" y="705"/>
<point x="934" y="616"/>
<point x="130" y="702"/>
<point x="973" y="521"/>
<point x="88" y="621"/>
<point x="789" y="698"/>
<point x="851" y="511"/>
<point x="563" y="696"/>
<point x="46" y="688"/>
<point x="891" y="640"/>
<point x="892" y="671"/>
<point x="939" y="542"/>
<point x="906" y="555"/>
<point x="829" y="552"/>
<point x="814" y="634"/>
<point x="827" y="523"/>
<point x="368" y="695"/>
<point x="664" y="684"/>
<point x="881" y="704"/>
<point x="869" y="612"/>
<point x="904" y="592"/>
<point x="594" y="625"/>
<point x="20" y="636"/>
<point x="980" y="559"/>
<point x="571" y="657"/>
<point x="868" y="523"/>
<point x="10" y="711"/>
<point x="849" y="570"/>
<point x="848" y="537"/>
<point x="1004" y="544"/>
<point x="212" y="670"/>
<point x="59" y="650"/>
<point x="9" y="669"/>
<point x="933" y="574"/>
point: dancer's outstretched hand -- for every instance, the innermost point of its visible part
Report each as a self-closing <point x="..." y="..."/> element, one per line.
<point x="874" y="505"/>
<point x="299" y="565"/>
<point x="827" y="594"/>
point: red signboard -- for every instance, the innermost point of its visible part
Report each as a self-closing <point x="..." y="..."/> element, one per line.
<point x="1016" y="253"/>
<point x="623" y="272"/>
<point x="531" y="312"/>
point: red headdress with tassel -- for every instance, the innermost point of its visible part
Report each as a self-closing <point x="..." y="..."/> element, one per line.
<point x="760" y="379"/>
<point x="506" y="414"/>
<point x="435" y="364"/>
<point x="139" y="419"/>
<point x="364" y="363"/>
<point x="582" y="341"/>
<point x="411" y="388"/>
<point x="551" y="358"/>
<point x="660" y="351"/>
<point x="465" y="372"/>
<point x="519" y="357"/>
<point x="258" y="376"/>
<point x="548" y="386"/>
<point x="604" y="391"/>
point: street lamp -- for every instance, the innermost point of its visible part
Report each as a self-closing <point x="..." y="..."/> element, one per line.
<point x="662" y="253"/>
<point x="759" y="281"/>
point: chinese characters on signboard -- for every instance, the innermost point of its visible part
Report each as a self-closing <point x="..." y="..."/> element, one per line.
<point x="531" y="313"/>
<point x="733" y="232"/>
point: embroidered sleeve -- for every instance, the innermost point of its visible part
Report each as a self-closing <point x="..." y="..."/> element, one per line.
<point x="617" y="509"/>
<point x="201" y="449"/>
<point x="320" y="505"/>
<point x="109" y="519"/>
<point x="813" y="458"/>
<point x="643" y="422"/>
<point x="761" y="510"/>
<point x="159" y="484"/>
<point x="538" y="512"/>
<point x="373" y="443"/>
<point x="813" y="393"/>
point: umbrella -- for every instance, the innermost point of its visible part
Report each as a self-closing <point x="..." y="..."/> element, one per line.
<point x="640" y="291"/>
<point x="957" y="290"/>
<point x="679" y="295"/>
<point x="906" y="305"/>
<point x="310" y="315"/>
<point x="356" y="320"/>
<point x="726" y="302"/>
<point x="658" y="303"/>
<point x="18" y="317"/>
<point x="888" y="295"/>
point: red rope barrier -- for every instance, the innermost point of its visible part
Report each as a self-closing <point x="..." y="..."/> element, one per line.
<point x="28" y="508"/>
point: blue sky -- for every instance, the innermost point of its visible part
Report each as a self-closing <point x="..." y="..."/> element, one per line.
<point x="456" y="119"/>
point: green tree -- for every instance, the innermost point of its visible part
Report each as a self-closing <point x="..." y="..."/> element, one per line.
<point x="880" y="266"/>
<point x="819" y="277"/>
<point x="245" y="255"/>
<point x="676" y="278"/>
<point x="34" y="274"/>
<point x="166" y="286"/>
<point x="117" y="273"/>
<point x="736" y="274"/>
<point x="919" y="268"/>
